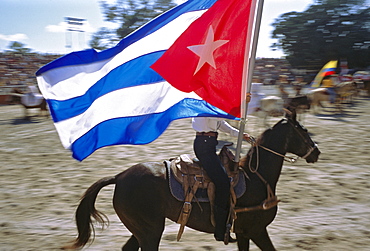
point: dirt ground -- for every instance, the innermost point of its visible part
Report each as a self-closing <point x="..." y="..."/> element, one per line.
<point x="325" y="206"/>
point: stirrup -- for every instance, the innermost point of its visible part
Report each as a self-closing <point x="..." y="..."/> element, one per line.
<point x="227" y="238"/>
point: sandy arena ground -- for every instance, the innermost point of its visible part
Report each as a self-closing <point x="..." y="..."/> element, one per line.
<point x="325" y="206"/>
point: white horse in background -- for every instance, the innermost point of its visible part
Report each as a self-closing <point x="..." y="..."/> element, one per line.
<point x="264" y="106"/>
<point x="270" y="106"/>
<point x="32" y="97"/>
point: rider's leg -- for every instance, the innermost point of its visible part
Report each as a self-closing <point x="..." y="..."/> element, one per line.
<point x="205" y="150"/>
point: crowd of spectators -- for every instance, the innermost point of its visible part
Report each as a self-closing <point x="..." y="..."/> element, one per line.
<point x="18" y="69"/>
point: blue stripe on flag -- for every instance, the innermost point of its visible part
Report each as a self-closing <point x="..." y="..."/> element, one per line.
<point x="329" y="70"/>
<point x="133" y="73"/>
<point x="139" y="130"/>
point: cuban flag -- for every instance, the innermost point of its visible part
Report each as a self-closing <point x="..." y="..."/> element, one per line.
<point x="187" y="62"/>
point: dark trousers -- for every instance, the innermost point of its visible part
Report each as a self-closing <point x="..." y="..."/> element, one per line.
<point x="205" y="150"/>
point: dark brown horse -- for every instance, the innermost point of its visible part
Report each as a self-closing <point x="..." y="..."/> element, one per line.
<point x="142" y="198"/>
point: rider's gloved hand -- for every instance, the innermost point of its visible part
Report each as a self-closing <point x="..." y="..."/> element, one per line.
<point x="250" y="139"/>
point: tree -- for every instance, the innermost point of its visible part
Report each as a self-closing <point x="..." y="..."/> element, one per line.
<point x="129" y="15"/>
<point x="327" y="30"/>
<point x="18" y="47"/>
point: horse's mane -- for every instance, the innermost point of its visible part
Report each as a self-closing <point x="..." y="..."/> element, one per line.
<point x="259" y="140"/>
<point x="262" y="138"/>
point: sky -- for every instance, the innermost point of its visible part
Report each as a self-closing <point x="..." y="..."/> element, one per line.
<point x="41" y="26"/>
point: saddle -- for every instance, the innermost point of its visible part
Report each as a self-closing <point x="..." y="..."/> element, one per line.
<point x="190" y="183"/>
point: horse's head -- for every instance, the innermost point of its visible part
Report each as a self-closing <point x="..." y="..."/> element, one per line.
<point x="299" y="141"/>
<point x="299" y="103"/>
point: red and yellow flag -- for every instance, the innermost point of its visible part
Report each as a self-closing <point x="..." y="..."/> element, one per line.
<point x="327" y="70"/>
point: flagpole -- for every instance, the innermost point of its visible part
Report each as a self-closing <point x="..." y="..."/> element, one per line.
<point x="248" y="73"/>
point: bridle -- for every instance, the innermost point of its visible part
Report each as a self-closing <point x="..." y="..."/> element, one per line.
<point x="287" y="158"/>
<point x="271" y="200"/>
<point x="310" y="148"/>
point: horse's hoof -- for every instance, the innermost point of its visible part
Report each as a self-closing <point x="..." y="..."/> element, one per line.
<point x="227" y="239"/>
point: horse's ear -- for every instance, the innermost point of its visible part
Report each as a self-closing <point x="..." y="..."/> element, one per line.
<point x="290" y="114"/>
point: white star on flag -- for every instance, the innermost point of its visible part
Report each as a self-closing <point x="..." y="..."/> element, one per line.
<point x="205" y="51"/>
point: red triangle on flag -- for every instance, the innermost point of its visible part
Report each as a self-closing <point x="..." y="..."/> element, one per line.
<point x="208" y="58"/>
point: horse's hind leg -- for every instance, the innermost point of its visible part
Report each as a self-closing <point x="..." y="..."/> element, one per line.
<point x="131" y="245"/>
<point x="146" y="229"/>
<point x="263" y="241"/>
<point x="243" y="242"/>
<point x="149" y="237"/>
<point x="139" y="201"/>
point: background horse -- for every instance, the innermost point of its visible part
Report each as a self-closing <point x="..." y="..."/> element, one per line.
<point x="142" y="197"/>
<point x="346" y="91"/>
<point x="320" y="95"/>
<point x="300" y="104"/>
<point x="42" y="106"/>
<point x="270" y="106"/>
<point x="19" y="94"/>
<point x="273" y="106"/>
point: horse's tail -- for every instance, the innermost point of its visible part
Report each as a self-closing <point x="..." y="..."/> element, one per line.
<point x="86" y="211"/>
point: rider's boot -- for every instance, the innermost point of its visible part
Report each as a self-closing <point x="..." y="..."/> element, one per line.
<point x="222" y="228"/>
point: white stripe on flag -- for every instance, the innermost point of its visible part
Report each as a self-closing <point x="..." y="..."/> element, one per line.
<point x="82" y="77"/>
<point x="136" y="101"/>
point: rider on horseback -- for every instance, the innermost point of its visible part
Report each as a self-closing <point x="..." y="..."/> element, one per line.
<point x="330" y="82"/>
<point x="205" y="149"/>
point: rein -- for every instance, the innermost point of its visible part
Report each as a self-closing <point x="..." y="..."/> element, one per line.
<point x="291" y="159"/>
<point x="271" y="200"/>
<point x="286" y="158"/>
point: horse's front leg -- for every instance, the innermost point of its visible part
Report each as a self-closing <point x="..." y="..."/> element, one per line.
<point x="131" y="245"/>
<point x="263" y="241"/>
<point x="243" y="242"/>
